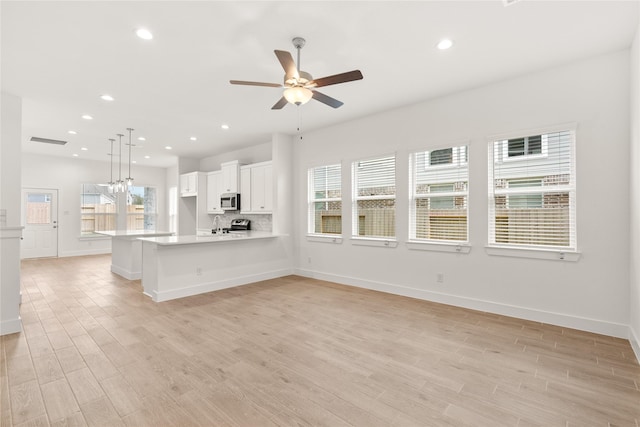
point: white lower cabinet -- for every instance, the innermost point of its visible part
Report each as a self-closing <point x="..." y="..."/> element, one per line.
<point x="256" y="188"/>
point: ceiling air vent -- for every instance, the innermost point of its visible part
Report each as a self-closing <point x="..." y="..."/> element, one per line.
<point x="47" y="140"/>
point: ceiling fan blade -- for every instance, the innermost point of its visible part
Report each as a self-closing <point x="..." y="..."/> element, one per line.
<point x="337" y="78"/>
<point x="286" y="60"/>
<point x="325" y="99"/>
<point x="281" y="103"/>
<point x="242" y="82"/>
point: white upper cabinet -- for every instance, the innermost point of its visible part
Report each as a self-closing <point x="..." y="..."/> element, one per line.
<point x="189" y="184"/>
<point x="262" y="189"/>
<point x="230" y="173"/>
<point x="214" y="189"/>
<point x="245" y="189"/>
<point x="257" y="188"/>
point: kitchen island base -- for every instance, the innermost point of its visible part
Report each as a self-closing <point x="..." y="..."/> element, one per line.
<point x="179" y="267"/>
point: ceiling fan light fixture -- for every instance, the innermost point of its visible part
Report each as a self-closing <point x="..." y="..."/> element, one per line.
<point x="298" y="95"/>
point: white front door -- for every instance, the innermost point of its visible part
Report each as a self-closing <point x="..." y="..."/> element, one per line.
<point x="40" y="220"/>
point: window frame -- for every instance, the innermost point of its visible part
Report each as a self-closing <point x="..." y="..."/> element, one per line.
<point x="460" y="159"/>
<point x="372" y="240"/>
<point x="539" y="251"/>
<point x="83" y="215"/>
<point x="311" y="201"/>
<point x="145" y="215"/>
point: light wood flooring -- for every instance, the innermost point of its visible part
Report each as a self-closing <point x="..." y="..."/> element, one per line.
<point x="294" y="352"/>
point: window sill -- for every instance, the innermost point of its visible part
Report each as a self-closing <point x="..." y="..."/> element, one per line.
<point x="460" y="248"/>
<point x="548" y="254"/>
<point x="372" y="241"/>
<point x="324" y="238"/>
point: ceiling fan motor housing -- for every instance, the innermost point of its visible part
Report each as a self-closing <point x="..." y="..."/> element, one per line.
<point x="302" y="79"/>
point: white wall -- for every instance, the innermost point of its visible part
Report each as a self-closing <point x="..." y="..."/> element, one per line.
<point x="10" y="232"/>
<point x="254" y="154"/>
<point x="66" y="175"/>
<point x="11" y="122"/>
<point x="634" y="196"/>
<point x="590" y="294"/>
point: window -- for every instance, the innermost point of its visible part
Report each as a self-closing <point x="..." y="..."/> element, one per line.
<point x="38" y="208"/>
<point x="532" y="196"/>
<point x="97" y="209"/>
<point x="325" y="200"/>
<point x="441" y="157"/>
<point x="141" y="208"/>
<point x="439" y="190"/>
<point x="535" y="145"/>
<point x="173" y="209"/>
<point x="374" y="199"/>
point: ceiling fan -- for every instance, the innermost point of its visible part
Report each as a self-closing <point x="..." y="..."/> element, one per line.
<point x="300" y="85"/>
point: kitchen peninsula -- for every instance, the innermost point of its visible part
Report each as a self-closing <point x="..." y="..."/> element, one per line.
<point x="179" y="266"/>
<point x="126" y="251"/>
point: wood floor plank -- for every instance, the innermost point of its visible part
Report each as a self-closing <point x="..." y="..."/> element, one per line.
<point x="26" y="402"/>
<point x="59" y="400"/>
<point x="47" y="368"/>
<point x="84" y="385"/>
<point x="294" y="351"/>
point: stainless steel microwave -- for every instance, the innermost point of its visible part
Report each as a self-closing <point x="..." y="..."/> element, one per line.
<point x="230" y="202"/>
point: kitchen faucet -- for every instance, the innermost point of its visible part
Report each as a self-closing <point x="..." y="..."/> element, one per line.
<point x="217" y="227"/>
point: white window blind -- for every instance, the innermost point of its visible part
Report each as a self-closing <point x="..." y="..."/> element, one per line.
<point x="438" y="206"/>
<point x="374" y="199"/>
<point x="325" y="200"/>
<point x="532" y="191"/>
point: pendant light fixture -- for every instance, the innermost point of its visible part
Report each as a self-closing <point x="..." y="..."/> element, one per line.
<point x="120" y="185"/>
<point x="111" y="184"/>
<point x="129" y="179"/>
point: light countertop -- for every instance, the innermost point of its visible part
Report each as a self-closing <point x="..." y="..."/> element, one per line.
<point x="135" y="233"/>
<point x="213" y="238"/>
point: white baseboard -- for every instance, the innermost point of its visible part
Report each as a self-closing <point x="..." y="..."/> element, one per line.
<point x="84" y="252"/>
<point x="160" y="296"/>
<point x="590" y="325"/>
<point x="10" y="326"/>
<point x="129" y="275"/>
<point x="635" y="343"/>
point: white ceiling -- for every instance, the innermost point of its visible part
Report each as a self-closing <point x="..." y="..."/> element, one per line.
<point x="61" y="56"/>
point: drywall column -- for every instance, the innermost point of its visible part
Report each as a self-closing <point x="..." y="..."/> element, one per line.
<point x="634" y="198"/>
<point x="10" y="228"/>
<point x="282" y="161"/>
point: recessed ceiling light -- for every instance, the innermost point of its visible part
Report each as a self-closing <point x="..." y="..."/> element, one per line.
<point x="147" y="157"/>
<point x="225" y="127"/>
<point x="75" y="155"/>
<point x="193" y="138"/>
<point x="142" y="138"/>
<point x="144" y="34"/>
<point x="444" y="44"/>
<point x="106" y="97"/>
<point x="84" y="149"/>
<point x="133" y="161"/>
<point x="168" y="147"/>
<point x="87" y="117"/>
<point x="72" y="132"/>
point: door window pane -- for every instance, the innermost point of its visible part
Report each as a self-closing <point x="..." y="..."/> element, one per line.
<point x="38" y="208"/>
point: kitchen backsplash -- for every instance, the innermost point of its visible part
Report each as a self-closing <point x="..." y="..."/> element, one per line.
<point x="258" y="222"/>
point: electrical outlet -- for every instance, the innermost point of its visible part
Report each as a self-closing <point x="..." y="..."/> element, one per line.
<point x="440" y="278"/>
<point x="198" y="271"/>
